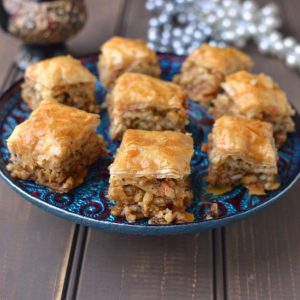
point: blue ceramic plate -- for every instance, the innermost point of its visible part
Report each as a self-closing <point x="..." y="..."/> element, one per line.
<point x="88" y="205"/>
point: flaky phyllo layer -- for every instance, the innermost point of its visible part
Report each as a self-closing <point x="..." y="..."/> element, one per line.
<point x="282" y="124"/>
<point x="81" y="95"/>
<point x="162" y="201"/>
<point x="109" y="72"/>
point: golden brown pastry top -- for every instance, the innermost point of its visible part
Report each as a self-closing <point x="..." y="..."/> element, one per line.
<point x="156" y="154"/>
<point x="59" y="71"/>
<point x="138" y="91"/>
<point x="256" y="93"/>
<point x="246" y="139"/>
<point x="120" y="51"/>
<point x="224" y="60"/>
<point x="51" y="132"/>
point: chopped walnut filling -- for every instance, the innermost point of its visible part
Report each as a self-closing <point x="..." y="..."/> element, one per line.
<point x="233" y="172"/>
<point x="162" y="201"/>
<point x="201" y="84"/>
<point x="81" y="95"/>
<point x="68" y="173"/>
<point x="148" y="119"/>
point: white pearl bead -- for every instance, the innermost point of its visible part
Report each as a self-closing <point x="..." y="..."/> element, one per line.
<point x="228" y="36"/>
<point x="249" y="5"/>
<point x="227" y="3"/>
<point x="226" y="23"/>
<point x="220" y="13"/>
<point x="186" y="39"/>
<point x="262" y="29"/>
<point x="232" y="12"/>
<point x="180" y="51"/>
<point x="151" y="46"/>
<point x="213" y="43"/>
<point x="163" y="18"/>
<point x="272" y="22"/>
<point x="270" y="10"/>
<point x="252" y="29"/>
<point x="278" y="49"/>
<point x="176" y="44"/>
<point x="241" y="31"/>
<point x="275" y="36"/>
<point x="169" y="7"/>
<point x="248" y="16"/>
<point x="177" y="32"/>
<point x="163" y="49"/>
<point x="152" y="34"/>
<point x="153" y="22"/>
<point x="264" y="46"/>
<point x="296" y="50"/>
<point x="211" y="19"/>
<point x="189" y="29"/>
<point x="291" y="61"/>
<point x="150" y="5"/>
<point x="198" y="35"/>
<point x="289" y="43"/>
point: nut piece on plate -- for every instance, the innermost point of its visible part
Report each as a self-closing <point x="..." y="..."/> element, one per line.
<point x="255" y="96"/>
<point x="205" y="68"/>
<point x="139" y="101"/>
<point x="62" y="78"/>
<point x="55" y="146"/>
<point x="149" y="177"/>
<point x="242" y="151"/>
<point x="119" y="55"/>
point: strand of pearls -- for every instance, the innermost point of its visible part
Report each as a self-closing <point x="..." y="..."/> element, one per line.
<point x="180" y="26"/>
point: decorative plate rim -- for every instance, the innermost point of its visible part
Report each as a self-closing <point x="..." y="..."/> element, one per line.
<point x="169" y="229"/>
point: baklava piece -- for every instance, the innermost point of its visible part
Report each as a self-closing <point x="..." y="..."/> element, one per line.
<point x="149" y="177"/>
<point x="119" y="55"/>
<point x="62" y="78"/>
<point x="242" y="151"/>
<point x="205" y="68"/>
<point x="55" y="146"/>
<point x="139" y="101"/>
<point x="255" y="96"/>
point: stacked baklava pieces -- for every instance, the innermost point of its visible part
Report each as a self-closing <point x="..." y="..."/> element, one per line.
<point x="149" y="177"/>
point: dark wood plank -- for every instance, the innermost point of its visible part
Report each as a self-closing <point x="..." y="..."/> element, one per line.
<point x="262" y="253"/>
<point x="34" y="250"/>
<point x="119" y="266"/>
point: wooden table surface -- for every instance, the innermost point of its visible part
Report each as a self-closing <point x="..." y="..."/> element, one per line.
<point x="44" y="257"/>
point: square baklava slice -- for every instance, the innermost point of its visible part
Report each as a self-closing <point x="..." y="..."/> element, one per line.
<point x="55" y="146"/>
<point x="149" y="177"/>
<point x="242" y="151"/>
<point x="205" y="68"/>
<point x="119" y="55"/>
<point x="139" y="101"/>
<point x="62" y="78"/>
<point x="255" y="96"/>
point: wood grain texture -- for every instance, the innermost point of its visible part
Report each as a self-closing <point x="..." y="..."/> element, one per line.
<point x="34" y="250"/>
<point x="119" y="266"/>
